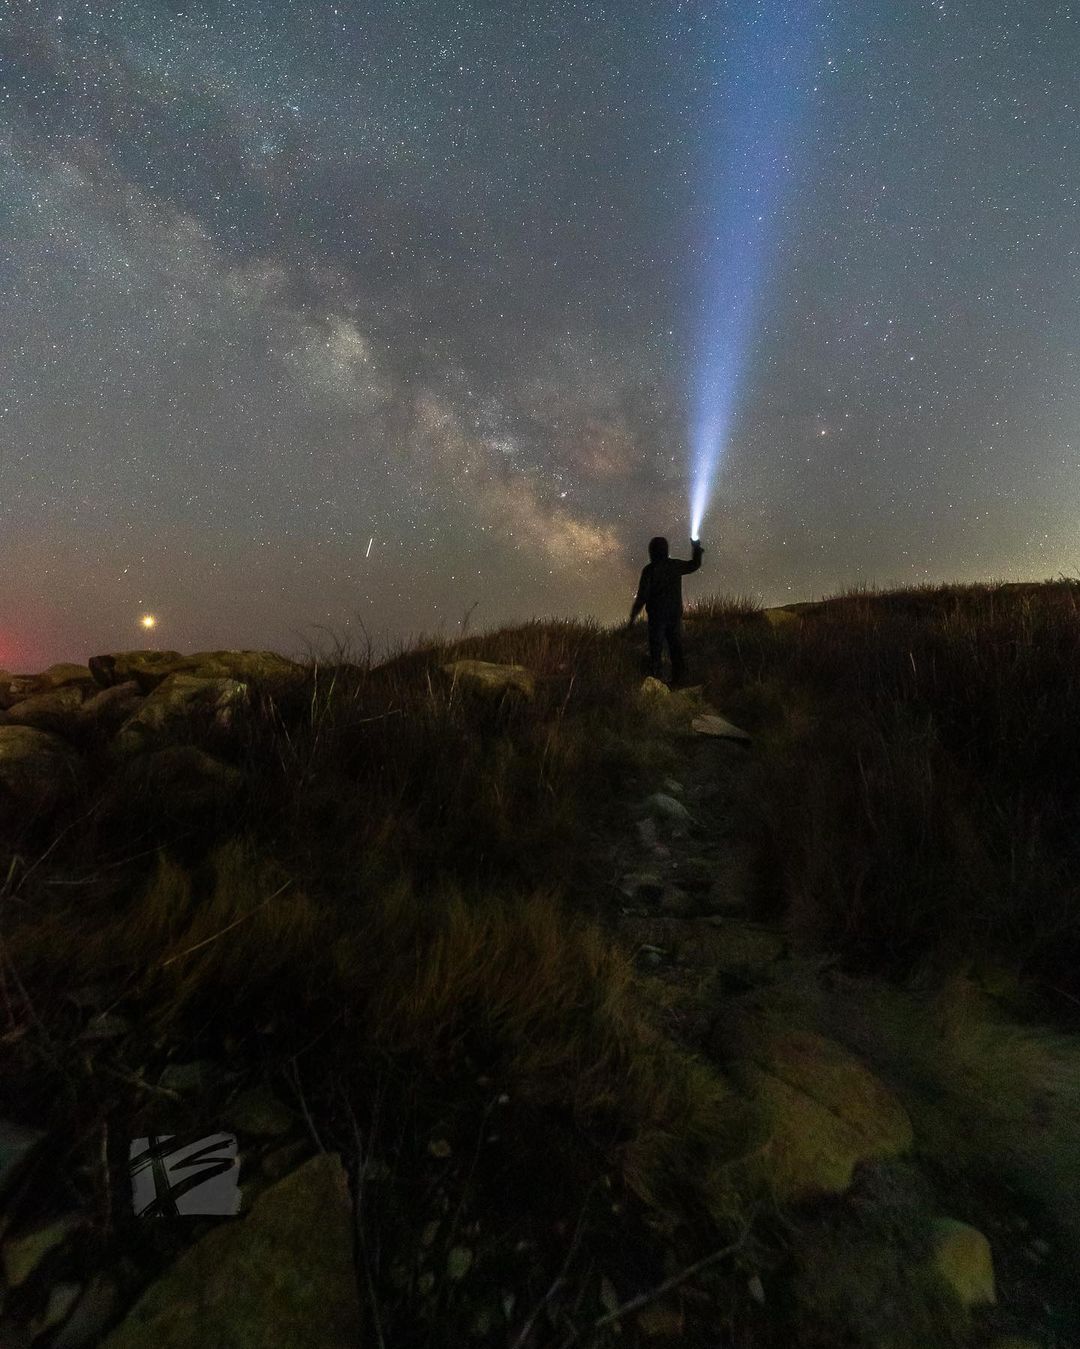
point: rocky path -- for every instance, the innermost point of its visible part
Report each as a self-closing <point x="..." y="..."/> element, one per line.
<point x="679" y="901"/>
<point x="679" y="904"/>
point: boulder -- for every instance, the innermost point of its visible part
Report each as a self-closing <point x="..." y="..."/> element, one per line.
<point x="710" y="724"/>
<point x="490" y="677"/>
<point x="109" y="707"/>
<point x="282" y="1275"/>
<point x="37" y="769"/>
<point x="146" y="668"/>
<point x="826" y="1112"/>
<point x="963" y="1258"/>
<point x="245" y="665"/>
<point x="64" y="673"/>
<point x="170" y="703"/>
<point x="150" y="668"/>
<point x="50" y="711"/>
<point x="16" y="687"/>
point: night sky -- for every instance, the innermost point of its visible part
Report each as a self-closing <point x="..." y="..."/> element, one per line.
<point x="316" y="314"/>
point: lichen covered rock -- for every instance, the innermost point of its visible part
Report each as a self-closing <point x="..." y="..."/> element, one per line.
<point x="490" y="677"/>
<point x="282" y="1275"/>
<point x="826" y="1112"/>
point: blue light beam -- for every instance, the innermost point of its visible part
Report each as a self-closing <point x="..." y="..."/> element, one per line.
<point x="769" y="47"/>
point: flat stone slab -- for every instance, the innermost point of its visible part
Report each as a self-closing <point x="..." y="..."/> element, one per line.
<point x="826" y="1111"/>
<point x="710" y="724"/>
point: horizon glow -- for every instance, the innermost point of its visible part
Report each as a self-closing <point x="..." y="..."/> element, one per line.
<point x="761" y="99"/>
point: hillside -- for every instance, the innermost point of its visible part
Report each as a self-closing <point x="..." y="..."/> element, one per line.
<point x="548" y="1006"/>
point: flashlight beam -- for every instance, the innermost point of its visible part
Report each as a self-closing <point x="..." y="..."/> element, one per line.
<point x="768" y="52"/>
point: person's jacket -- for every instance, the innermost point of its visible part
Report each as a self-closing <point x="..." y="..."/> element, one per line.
<point x="660" y="588"/>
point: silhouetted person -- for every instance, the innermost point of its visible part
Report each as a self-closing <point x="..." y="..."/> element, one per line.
<point x="660" y="595"/>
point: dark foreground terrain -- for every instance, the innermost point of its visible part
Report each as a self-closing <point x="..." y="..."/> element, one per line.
<point x="547" y="1006"/>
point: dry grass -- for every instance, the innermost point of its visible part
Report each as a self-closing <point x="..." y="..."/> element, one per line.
<point x="538" y="992"/>
<point x="915" y="807"/>
<point x="413" y="874"/>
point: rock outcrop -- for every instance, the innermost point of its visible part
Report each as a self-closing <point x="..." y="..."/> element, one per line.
<point x="171" y="701"/>
<point x="489" y="677"/>
<point x="139" y="702"/>
<point x="47" y="711"/>
<point x="150" y="668"/>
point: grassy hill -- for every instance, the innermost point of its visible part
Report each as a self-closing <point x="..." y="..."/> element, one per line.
<point x="397" y="903"/>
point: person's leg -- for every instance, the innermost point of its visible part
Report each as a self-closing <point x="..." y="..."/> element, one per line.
<point x="678" y="655"/>
<point x="656" y="648"/>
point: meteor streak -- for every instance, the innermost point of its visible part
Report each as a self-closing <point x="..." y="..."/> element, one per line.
<point x="369" y="543"/>
<point x="769" y="49"/>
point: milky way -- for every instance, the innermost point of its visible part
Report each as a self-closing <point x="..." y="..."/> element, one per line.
<point x="316" y="315"/>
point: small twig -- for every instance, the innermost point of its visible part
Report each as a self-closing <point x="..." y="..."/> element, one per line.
<point x="394" y="712"/>
<point x="134" y="1080"/>
<point x="560" y="1278"/>
<point x="228" y="927"/>
<point x="361" y="1239"/>
<point x="66" y="830"/>
<point x="304" y="1108"/>
<point x="472" y="1170"/>
<point x="7" y="966"/>
<point x="106" y="1172"/>
<point x="653" y="1294"/>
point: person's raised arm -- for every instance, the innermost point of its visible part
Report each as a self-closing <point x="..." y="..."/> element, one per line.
<point x="695" y="561"/>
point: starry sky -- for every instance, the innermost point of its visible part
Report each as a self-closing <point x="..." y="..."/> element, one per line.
<point x="351" y="316"/>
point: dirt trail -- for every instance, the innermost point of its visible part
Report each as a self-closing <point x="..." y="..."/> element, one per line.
<point x="679" y="900"/>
